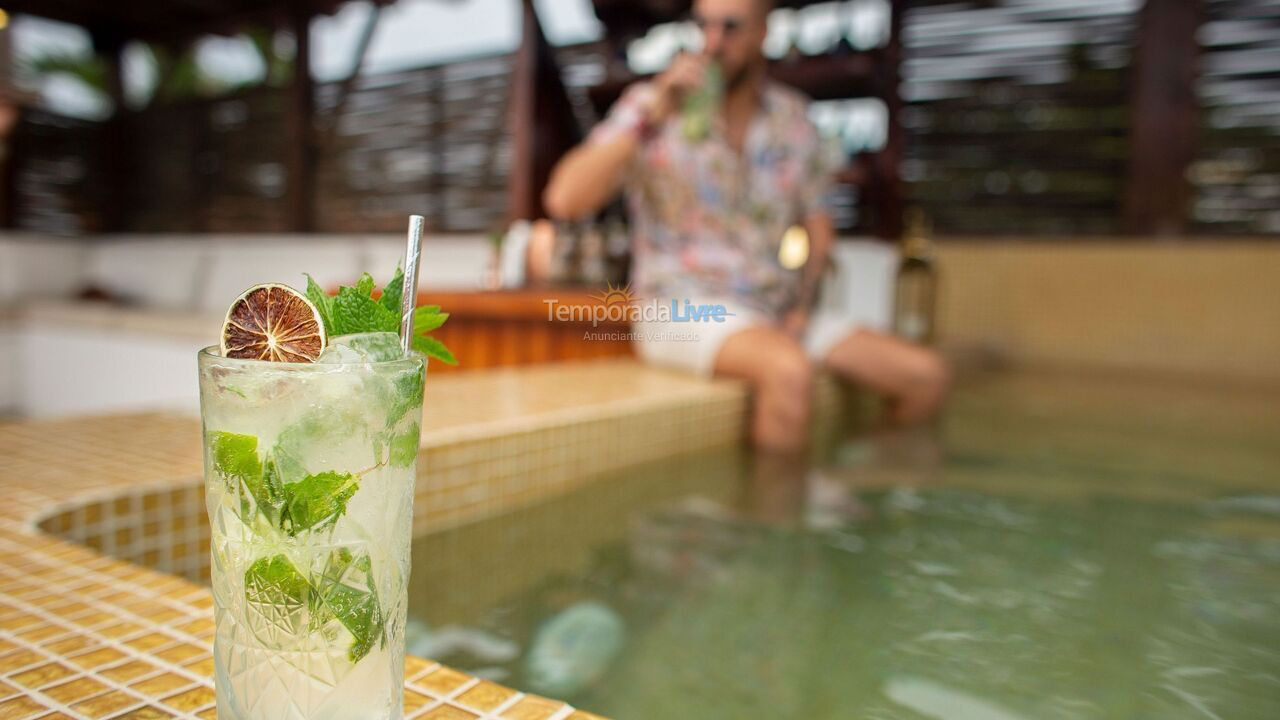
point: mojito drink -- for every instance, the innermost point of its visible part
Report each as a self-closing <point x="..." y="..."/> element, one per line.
<point x="309" y="478"/>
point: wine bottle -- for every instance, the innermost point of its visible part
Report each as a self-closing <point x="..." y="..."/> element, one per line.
<point x="915" y="294"/>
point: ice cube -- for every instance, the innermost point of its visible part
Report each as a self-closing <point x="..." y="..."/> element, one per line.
<point x="363" y="347"/>
<point x="342" y="355"/>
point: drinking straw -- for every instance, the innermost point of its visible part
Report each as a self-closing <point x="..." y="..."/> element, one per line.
<point x="409" y="291"/>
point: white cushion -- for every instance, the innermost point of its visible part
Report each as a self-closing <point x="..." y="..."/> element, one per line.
<point x="449" y="262"/>
<point x="39" y="266"/>
<point x="160" y="271"/>
<point x="242" y="261"/>
<point x="862" y="285"/>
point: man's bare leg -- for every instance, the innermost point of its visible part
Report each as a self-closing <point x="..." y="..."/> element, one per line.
<point x="914" y="379"/>
<point x="781" y="378"/>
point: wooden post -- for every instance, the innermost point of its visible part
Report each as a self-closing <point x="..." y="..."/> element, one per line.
<point x="886" y="187"/>
<point x="1163" y="117"/>
<point x="521" y="200"/>
<point x="357" y="64"/>
<point x="116" y="147"/>
<point x="10" y="117"/>
<point x="302" y="145"/>
<point x="542" y="120"/>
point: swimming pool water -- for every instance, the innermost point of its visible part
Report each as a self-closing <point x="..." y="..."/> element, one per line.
<point x="1057" y="548"/>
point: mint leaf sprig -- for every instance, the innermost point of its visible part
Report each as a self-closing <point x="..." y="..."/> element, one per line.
<point x="313" y="503"/>
<point x="354" y="310"/>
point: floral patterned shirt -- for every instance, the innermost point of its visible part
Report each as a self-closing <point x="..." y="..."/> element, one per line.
<point x="707" y="221"/>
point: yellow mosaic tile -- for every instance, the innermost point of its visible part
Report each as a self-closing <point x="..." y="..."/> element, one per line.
<point x="414" y="701"/>
<point x="76" y="690"/>
<point x="119" y="630"/>
<point x="94" y="619"/>
<point x="18" y="620"/>
<point x="192" y="699"/>
<point x="42" y="632"/>
<point x="149" y="641"/>
<point x="181" y="653"/>
<point x="414" y="667"/>
<point x="69" y="645"/>
<point x="448" y="712"/>
<point x="443" y="681"/>
<point x="20" y="708"/>
<point x="145" y="713"/>
<point x="43" y="675"/>
<point x="19" y="659"/>
<point x="532" y="707"/>
<point x="97" y="658"/>
<point x="203" y="666"/>
<point x="128" y="671"/>
<point x="160" y="685"/>
<point x="199" y="627"/>
<point x="105" y="706"/>
<point x="485" y="696"/>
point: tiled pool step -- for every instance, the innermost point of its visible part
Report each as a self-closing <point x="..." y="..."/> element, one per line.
<point x="87" y="635"/>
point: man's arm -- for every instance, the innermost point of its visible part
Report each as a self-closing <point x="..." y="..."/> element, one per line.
<point x="590" y="175"/>
<point x="821" y="231"/>
<point x="587" y="178"/>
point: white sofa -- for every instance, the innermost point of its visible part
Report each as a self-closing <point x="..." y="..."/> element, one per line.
<point x="60" y="357"/>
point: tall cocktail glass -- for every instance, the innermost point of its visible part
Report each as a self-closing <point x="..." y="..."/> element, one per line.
<point x="309" y="477"/>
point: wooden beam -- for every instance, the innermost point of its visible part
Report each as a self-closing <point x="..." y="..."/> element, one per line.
<point x="821" y="77"/>
<point x="543" y="122"/>
<point x="115" y="155"/>
<point x="886" y="187"/>
<point x="521" y="200"/>
<point x="1163" y="117"/>
<point x="301" y="146"/>
<point x="357" y="64"/>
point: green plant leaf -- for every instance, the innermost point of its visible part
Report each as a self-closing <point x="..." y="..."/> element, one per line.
<point x="275" y="582"/>
<point x="393" y="291"/>
<point x="347" y="590"/>
<point x="432" y="347"/>
<point x="365" y="284"/>
<point x="236" y="459"/>
<point x="235" y="456"/>
<point x="408" y="389"/>
<point x="316" y="501"/>
<point x="426" y="319"/>
<point x="323" y="302"/>
<point x="404" y="446"/>
<point x="354" y="312"/>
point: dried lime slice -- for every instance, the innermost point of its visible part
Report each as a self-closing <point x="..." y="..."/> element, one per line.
<point x="273" y="322"/>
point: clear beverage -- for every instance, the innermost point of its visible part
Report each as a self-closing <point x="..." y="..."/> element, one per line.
<point x="309" y="477"/>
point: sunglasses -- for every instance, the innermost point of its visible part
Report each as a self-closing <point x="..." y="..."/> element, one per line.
<point x="728" y="26"/>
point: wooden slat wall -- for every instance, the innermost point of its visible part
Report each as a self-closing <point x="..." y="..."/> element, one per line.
<point x="1015" y="122"/>
<point x="1235" y="178"/>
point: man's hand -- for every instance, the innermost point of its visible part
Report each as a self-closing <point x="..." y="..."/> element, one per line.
<point x="795" y="323"/>
<point x="685" y="73"/>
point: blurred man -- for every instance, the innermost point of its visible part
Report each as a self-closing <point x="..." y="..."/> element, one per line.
<point x="708" y="217"/>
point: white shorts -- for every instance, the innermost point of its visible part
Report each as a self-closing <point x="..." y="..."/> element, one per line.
<point x="693" y="346"/>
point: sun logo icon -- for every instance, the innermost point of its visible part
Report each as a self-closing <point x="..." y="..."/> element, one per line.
<point x="615" y="295"/>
